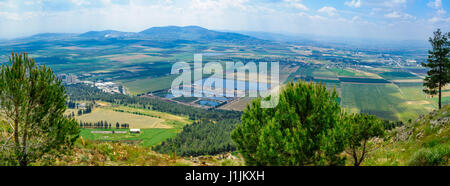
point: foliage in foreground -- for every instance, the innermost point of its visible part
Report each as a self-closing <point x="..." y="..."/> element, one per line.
<point x="305" y="128"/>
<point x="92" y="153"/>
<point x="360" y="128"/>
<point x="32" y="101"/>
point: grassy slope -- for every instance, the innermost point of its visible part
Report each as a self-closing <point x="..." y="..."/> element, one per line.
<point x="422" y="142"/>
<point x="120" y="154"/>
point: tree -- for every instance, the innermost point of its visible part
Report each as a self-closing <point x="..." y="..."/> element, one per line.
<point x="32" y="100"/>
<point x="303" y="129"/>
<point x="439" y="65"/>
<point x="360" y="128"/>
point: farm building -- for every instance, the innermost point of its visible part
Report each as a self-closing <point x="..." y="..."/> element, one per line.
<point x="135" y="131"/>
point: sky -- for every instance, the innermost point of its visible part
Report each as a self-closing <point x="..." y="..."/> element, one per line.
<point x="375" y="19"/>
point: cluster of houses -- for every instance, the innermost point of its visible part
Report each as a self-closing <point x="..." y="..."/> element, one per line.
<point x="109" y="87"/>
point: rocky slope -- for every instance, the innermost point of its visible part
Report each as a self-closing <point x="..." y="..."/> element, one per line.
<point x="423" y="142"/>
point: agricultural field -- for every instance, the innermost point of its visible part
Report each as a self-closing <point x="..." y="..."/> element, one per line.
<point x="238" y="104"/>
<point x="140" y="86"/>
<point x="155" y="126"/>
<point x="368" y="80"/>
<point x="112" y="116"/>
<point x="174" y="121"/>
<point x="386" y="101"/>
<point x="148" y="137"/>
<point x="398" y="75"/>
<point x="137" y="118"/>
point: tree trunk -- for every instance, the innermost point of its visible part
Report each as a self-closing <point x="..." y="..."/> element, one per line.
<point x="440" y="95"/>
<point x="23" y="161"/>
<point x="16" y="136"/>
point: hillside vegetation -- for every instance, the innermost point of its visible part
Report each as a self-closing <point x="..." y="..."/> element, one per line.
<point x="91" y="153"/>
<point x="423" y="142"/>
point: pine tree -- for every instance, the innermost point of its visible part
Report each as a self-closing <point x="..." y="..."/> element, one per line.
<point x="303" y="129"/>
<point x="439" y="65"/>
<point x="360" y="128"/>
<point x="33" y="99"/>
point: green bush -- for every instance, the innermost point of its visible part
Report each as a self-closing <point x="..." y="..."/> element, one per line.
<point x="437" y="156"/>
<point x="303" y="129"/>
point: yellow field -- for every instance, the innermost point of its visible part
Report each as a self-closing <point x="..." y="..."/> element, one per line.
<point x="135" y="121"/>
<point x="154" y="114"/>
<point x="238" y="105"/>
<point x="69" y="111"/>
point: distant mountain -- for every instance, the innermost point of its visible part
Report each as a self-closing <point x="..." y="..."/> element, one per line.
<point x="194" y="33"/>
<point x="187" y="34"/>
<point x="273" y="36"/>
<point x="51" y="36"/>
<point x="106" y="34"/>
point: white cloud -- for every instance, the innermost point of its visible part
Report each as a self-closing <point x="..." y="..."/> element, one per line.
<point x="16" y="16"/>
<point x="437" y="19"/>
<point x="435" y="4"/>
<point x="397" y="15"/>
<point x="291" y="16"/>
<point x="440" y="12"/>
<point x="296" y="4"/>
<point x="312" y="17"/>
<point x="300" y="6"/>
<point x="331" y="11"/>
<point x="356" y="18"/>
<point x="7" y="5"/>
<point x="218" y="4"/>
<point x="394" y="4"/>
<point x="81" y="2"/>
<point x="353" y="3"/>
<point x="393" y="15"/>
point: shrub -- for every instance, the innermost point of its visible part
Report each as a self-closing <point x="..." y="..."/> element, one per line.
<point x="436" y="156"/>
<point x="303" y="129"/>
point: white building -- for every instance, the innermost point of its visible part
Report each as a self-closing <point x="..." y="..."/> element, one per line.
<point x="135" y="131"/>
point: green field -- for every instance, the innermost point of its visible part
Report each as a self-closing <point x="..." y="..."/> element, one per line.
<point x="140" y="86"/>
<point x="155" y="126"/>
<point x="398" y="75"/>
<point x="386" y="101"/>
<point x="342" y="72"/>
<point x="147" y="137"/>
<point x="323" y="72"/>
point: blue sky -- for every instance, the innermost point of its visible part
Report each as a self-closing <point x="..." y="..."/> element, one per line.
<point x="382" y="19"/>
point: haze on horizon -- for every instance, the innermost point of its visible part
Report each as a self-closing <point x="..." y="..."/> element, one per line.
<point x="377" y="19"/>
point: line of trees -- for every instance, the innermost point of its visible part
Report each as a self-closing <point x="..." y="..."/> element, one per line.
<point x="103" y="125"/>
<point x="71" y="105"/>
<point x="85" y="111"/>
